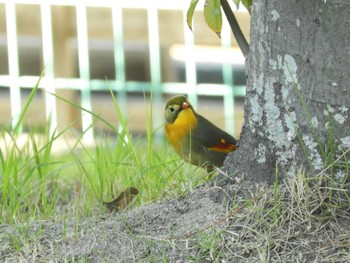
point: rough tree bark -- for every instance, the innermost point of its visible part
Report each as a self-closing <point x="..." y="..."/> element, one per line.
<point x="298" y="77"/>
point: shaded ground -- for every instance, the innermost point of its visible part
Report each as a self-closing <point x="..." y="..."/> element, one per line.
<point x="199" y="227"/>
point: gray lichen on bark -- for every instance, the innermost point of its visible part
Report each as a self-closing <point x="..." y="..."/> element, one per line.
<point x="297" y="88"/>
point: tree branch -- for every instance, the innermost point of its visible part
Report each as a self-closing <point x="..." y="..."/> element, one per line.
<point x="236" y="30"/>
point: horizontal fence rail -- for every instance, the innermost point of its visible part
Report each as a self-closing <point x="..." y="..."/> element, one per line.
<point x="85" y="84"/>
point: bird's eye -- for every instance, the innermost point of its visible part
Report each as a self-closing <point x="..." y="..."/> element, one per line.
<point x="171" y="109"/>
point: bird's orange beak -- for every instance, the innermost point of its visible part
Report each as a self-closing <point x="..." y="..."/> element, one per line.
<point x="185" y="105"/>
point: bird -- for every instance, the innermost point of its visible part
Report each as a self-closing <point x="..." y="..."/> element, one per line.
<point x="194" y="138"/>
<point x="123" y="200"/>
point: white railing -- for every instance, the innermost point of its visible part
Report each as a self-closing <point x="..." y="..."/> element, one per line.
<point x="85" y="85"/>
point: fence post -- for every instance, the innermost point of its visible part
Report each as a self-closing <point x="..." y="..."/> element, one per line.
<point x="119" y="59"/>
<point x="155" y="65"/>
<point x="50" y="100"/>
<point x="12" y="45"/>
<point x="228" y="81"/>
<point x="84" y="71"/>
<point x="190" y="63"/>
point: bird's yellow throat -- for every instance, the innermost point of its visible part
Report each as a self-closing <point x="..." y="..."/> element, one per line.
<point x="183" y="125"/>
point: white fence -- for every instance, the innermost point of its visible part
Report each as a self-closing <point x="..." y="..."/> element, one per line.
<point x="15" y="82"/>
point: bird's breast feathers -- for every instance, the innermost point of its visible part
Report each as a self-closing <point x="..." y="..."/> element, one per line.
<point x="182" y="127"/>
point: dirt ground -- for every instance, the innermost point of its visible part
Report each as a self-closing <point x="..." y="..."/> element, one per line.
<point x="200" y="227"/>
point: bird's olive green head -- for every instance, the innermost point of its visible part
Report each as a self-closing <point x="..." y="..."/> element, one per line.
<point x="174" y="106"/>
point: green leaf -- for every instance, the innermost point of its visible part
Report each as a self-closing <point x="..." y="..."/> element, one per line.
<point x="17" y="128"/>
<point x="247" y="4"/>
<point x="213" y="15"/>
<point x="190" y="12"/>
<point x="236" y="2"/>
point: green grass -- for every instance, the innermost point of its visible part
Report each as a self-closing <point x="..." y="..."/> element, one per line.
<point x="38" y="183"/>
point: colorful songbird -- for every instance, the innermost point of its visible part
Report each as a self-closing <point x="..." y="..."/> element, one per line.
<point x="193" y="137"/>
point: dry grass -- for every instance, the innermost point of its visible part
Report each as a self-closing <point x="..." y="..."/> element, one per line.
<point x="303" y="220"/>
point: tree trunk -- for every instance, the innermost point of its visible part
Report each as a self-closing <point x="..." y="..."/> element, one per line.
<point x="298" y="89"/>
